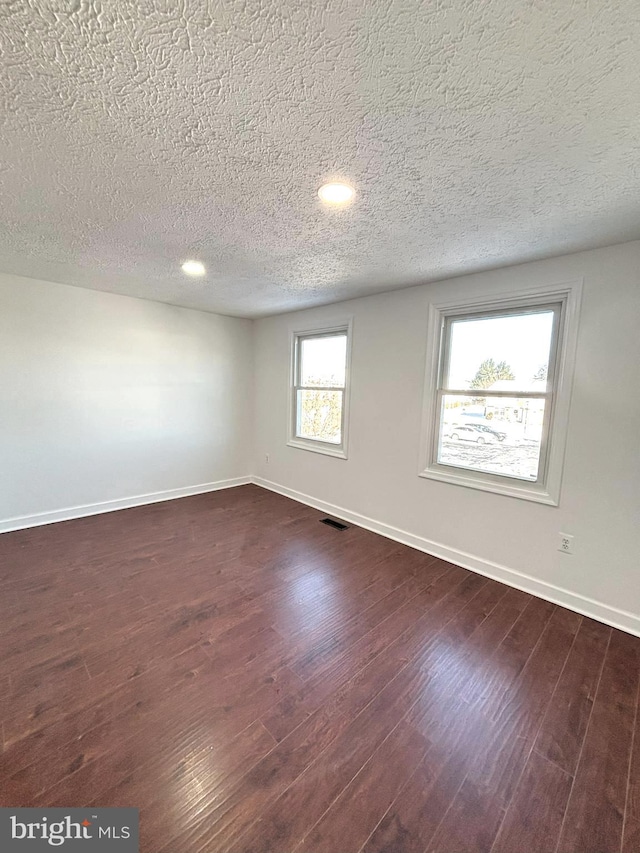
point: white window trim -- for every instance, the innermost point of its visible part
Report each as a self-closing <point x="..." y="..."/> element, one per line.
<point x="569" y="294"/>
<point x="339" y="451"/>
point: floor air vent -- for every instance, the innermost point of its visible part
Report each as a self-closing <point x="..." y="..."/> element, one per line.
<point x="336" y="524"/>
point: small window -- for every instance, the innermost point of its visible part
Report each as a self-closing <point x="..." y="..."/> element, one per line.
<point x="320" y="369"/>
<point x="498" y="394"/>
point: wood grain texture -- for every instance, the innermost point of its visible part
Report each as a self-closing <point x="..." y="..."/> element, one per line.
<point x="631" y="833"/>
<point x="595" y="812"/>
<point x="253" y="680"/>
<point x="534" y="817"/>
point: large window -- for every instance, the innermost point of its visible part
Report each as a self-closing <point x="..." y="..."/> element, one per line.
<point x="498" y="393"/>
<point x="320" y="371"/>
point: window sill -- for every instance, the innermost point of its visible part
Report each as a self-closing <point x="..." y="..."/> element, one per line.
<point x="318" y="447"/>
<point x="511" y="488"/>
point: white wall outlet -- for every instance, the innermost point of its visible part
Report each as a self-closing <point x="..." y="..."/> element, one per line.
<point x="266" y="458"/>
<point x="565" y="543"/>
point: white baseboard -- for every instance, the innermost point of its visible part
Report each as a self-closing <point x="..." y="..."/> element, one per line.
<point x="621" y="619"/>
<point x="20" y="522"/>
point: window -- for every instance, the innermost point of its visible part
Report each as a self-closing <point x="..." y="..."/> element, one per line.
<point x="497" y="392"/>
<point x="320" y="375"/>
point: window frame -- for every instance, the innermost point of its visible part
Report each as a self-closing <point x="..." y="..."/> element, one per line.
<point x="546" y="489"/>
<point x="338" y="451"/>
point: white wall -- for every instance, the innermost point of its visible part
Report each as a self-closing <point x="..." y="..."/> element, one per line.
<point x="104" y="398"/>
<point x="600" y="498"/>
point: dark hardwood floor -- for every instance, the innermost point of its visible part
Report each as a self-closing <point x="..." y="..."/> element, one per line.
<point x="253" y="680"/>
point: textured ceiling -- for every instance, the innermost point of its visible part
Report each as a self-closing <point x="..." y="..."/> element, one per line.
<point x="477" y="133"/>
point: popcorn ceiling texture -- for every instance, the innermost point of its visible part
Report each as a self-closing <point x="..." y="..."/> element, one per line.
<point x="135" y="135"/>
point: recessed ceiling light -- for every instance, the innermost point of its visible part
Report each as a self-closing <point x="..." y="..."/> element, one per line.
<point x="193" y="268"/>
<point x="336" y="193"/>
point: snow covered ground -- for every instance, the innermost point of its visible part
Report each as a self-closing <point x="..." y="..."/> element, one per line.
<point x="509" y="459"/>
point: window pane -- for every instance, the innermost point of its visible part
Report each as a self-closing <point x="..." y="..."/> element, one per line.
<point x="501" y="353"/>
<point x="490" y="434"/>
<point x="323" y="360"/>
<point x="319" y="415"/>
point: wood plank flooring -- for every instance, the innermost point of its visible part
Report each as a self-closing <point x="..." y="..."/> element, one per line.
<point x="253" y="680"/>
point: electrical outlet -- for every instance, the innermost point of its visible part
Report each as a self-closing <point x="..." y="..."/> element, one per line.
<point x="266" y="458"/>
<point x="565" y="543"/>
